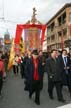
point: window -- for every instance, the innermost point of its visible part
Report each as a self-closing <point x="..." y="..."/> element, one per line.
<point x="59" y="21"/>
<point x="52" y="38"/>
<point x="64" y="18"/>
<point x="52" y="26"/>
<point x="59" y="33"/>
<point x="48" y="40"/>
<point x="48" y="30"/>
<point x="65" y="32"/>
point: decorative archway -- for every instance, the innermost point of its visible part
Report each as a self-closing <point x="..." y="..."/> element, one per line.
<point x="20" y="29"/>
<point x="34" y="27"/>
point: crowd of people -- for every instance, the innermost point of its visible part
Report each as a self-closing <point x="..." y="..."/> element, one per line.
<point x="33" y="65"/>
<point x="4" y="57"/>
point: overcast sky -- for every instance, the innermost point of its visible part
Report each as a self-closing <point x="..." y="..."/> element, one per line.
<point x="20" y="11"/>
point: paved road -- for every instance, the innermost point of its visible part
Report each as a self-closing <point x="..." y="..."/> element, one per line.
<point x="14" y="95"/>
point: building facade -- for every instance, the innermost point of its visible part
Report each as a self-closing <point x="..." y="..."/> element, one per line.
<point x="1" y="44"/>
<point x="58" y="29"/>
<point x="7" y="41"/>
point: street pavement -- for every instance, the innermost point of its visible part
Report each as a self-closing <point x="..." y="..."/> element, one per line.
<point x="14" y="96"/>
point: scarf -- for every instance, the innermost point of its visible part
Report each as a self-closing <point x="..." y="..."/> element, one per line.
<point x="35" y="62"/>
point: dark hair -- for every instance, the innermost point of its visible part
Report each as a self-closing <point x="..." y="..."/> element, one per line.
<point x="60" y="51"/>
<point x="35" y="52"/>
<point x="53" y="50"/>
<point x="69" y="54"/>
<point x="2" y="57"/>
<point x="64" y="50"/>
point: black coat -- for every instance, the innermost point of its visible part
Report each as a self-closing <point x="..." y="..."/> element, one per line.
<point x="30" y="69"/>
<point x="23" y="66"/>
<point x="30" y="72"/>
<point x="53" y="69"/>
<point x="64" y="78"/>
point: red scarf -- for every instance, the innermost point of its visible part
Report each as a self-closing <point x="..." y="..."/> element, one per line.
<point x="35" y="62"/>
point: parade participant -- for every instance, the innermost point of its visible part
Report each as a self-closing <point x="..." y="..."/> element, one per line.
<point x="66" y="71"/>
<point x="6" y="59"/>
<point x="26" y="58"/>
<point x="21" y="65"/>
<point x="34" y="76"/>
<point x="42" y="58"/>
<point x="15" y="64"/>
<point x="1" y="73"/>
<point x="54" y="75"/>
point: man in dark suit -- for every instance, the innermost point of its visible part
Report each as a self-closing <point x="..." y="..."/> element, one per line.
<point x="65" y="67"/>
<point x="54" y="75"/>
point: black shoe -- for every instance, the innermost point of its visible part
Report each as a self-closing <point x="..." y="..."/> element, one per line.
<point x="37" y="102"/>
<point x="70" y="95"/>
<point x="30" y="95"/>
<point x="26" y="89"/>
<point x="51" y="97"/>
<point x="62" y="100"/>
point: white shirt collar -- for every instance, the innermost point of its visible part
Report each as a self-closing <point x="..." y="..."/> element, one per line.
<point x="64" y="55"/>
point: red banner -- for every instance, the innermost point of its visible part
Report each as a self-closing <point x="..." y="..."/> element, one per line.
<point x="20" y="28"/>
